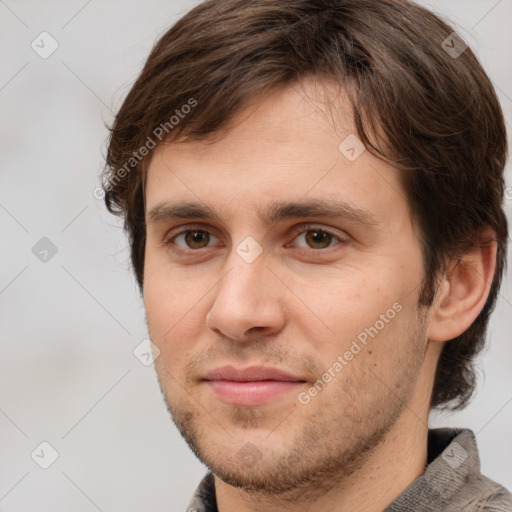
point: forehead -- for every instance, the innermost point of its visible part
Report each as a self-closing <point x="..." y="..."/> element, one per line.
<point x="296" y="143"/>
<point x="294" y="117"/>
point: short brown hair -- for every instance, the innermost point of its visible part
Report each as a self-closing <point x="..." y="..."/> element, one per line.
<point x="432" y="114"/>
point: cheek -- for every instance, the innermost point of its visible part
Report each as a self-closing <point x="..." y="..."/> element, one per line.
<point x="173" y="306"/>
<point x="371" y="312"/>
<point x="344" y="300"/>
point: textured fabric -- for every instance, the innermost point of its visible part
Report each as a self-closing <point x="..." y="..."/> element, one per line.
<point x="204" y="497"/>
<point x="452" y="481"/>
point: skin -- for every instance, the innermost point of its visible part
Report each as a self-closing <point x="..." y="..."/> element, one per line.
<point x="360" y="441"/>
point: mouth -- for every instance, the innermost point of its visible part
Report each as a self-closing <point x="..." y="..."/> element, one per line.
<point x="253" y="386"/>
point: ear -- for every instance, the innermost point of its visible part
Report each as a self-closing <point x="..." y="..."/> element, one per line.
<point x="462" y="293"/>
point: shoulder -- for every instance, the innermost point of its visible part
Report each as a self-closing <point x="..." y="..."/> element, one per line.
<point x="455" y="475"/>
<point x="481" y="494"/>
<point x="494" y="497"/>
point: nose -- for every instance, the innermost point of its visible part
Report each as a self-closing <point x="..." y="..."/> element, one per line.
<point x="247" y="302"/>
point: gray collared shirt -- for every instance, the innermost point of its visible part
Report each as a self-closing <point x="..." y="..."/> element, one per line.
<point x="452" y="481"/>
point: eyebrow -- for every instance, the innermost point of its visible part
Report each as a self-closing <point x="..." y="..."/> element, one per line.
<point x="272" y="214"/>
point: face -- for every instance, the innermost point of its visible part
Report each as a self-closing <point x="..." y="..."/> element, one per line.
<point x="299" y="256"/>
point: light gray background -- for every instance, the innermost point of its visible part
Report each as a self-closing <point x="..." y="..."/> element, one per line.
<point x="69" y="326"/>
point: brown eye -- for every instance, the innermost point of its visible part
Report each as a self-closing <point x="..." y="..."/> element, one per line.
<point x="307" y="236"/>
<point x="196" y="239"/>
<point x="317" y="239"/>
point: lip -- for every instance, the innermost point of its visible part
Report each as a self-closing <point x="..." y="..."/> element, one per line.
<point x="252" y="386"/>
<point x="251" y="374"/>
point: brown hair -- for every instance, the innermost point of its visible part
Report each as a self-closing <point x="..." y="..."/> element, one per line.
<point x="432" y="114"/>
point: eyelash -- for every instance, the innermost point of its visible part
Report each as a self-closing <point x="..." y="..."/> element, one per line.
<point x="169" y="240"/>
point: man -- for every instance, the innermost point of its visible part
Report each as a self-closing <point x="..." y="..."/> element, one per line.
<point x="312" y="191"/>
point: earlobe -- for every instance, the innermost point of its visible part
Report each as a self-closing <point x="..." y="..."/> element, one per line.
<point x="462" y="293"/>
